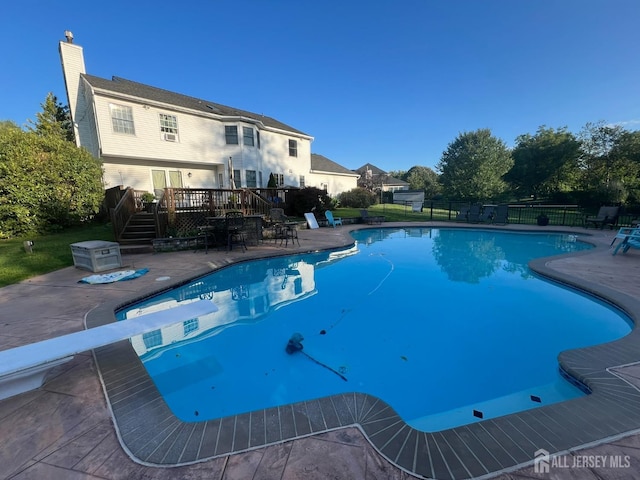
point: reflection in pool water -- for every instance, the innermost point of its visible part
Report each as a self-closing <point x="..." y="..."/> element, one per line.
<point x="436" y="322"/>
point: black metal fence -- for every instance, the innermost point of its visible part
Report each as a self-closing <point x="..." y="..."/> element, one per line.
<point x="563" y="215"/>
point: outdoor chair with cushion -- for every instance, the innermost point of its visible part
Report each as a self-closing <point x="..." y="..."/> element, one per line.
<point x="501" y="215"/>
<point x="487" y="214"/>
<point x="474" y="213"/>
<point x="463" y="214"/>
<point x="606" y="216"/>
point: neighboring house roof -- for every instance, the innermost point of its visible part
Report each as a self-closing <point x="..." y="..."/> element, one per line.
<point x="379" y="175"/>
<point x="374" y="170"/>
<point x="134" y="89"/>
<point x="389" y="180"/>
<point x="321" y="163"/>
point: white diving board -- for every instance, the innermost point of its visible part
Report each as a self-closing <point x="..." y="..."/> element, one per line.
<point x="24" y="368"/>
<point x="311" y="220"/>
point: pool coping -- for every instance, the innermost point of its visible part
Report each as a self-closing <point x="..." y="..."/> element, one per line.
<point x="152" y="435"/>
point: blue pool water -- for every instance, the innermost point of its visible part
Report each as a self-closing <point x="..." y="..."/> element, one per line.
<point x="435" y="322"/>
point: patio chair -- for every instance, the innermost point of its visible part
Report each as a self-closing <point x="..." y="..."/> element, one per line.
<point x="333" y="221"/>
<point x="277" y="219"/>
<point x="487" y="214"/>
<point x="632" y="240"/>
<point x="234" y="222"/>
<point x="474" y="213"/>
<point x="606" y="216"/>
<point x="276" y="215"/>
<point x="501" y="215"/>
<point x="463" y="214"/>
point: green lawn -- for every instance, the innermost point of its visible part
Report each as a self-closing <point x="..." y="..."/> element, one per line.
<point x="50" y="252"/>
<point x="396" y="213"/>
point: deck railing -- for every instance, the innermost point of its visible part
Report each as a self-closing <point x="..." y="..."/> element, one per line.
<point x="123" y="211"/>
<point x="182" y="210"/>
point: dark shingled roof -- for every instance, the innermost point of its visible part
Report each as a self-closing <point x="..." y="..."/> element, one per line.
<point x="379" y="175"/>
<point x="323" y="164"/>
<point x="127" y="87"/>
<point x="374" y="170"/>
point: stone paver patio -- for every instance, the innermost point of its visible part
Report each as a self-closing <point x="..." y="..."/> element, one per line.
<point x="65" y="429"/>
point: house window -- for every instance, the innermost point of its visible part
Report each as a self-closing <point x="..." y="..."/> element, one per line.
<point x="302" y="181"/>
<point x="247" y="136"/>
<point x="258" y="137"/>
<point x="122" y="119"/>
<point x="190" y="326"/>
<point x="220" y="181"/>
<point x="251" y="179"/>
<point x="231" y="134"/>
<point x="152" y="339"/>
<point x="293" y="148"/>
<point x="279" y="179"/>
<point x="169" y="127"/>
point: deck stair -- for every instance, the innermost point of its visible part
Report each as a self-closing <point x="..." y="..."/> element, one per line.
<point x="138" y="234"/>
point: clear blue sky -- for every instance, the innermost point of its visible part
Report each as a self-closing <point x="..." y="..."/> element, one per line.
<point x="387" y="82"/>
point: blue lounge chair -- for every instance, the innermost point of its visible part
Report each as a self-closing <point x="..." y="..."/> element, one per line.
<point x="333" y="221"/>
<point x="631" y="240"/>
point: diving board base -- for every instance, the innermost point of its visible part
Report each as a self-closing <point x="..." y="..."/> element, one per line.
<point x="29" y="379"/>
<point x="25" y="368"/>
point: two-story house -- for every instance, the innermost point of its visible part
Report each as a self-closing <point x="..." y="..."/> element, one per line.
<point x="149" y="138"/>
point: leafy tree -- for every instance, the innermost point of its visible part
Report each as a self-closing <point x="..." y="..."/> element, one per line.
<point x="608" y="161"/>
<point x="46" y="182"/>
<point x="53" y="120"/>
<point x="472" y="166"/>
<point x="598" y="140"/>
<point x="626" y="154"/>
<point x="544" y="163"/>
<point x="423" y="178"/>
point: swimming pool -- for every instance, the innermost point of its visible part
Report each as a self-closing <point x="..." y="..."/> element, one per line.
<point x="442" y="324"/>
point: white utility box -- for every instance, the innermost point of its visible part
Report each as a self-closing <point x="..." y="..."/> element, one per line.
<point x="96" y="255"/>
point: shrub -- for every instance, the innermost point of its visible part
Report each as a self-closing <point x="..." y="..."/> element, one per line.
<point x="46" y="182"/>
<point x="357" y="198"/>
<point x="308" y="199"/>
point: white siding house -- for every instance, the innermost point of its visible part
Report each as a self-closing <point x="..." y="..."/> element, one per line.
<point x="148" y="138"/>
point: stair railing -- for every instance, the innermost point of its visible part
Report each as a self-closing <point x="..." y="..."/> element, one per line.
<point x="122" y="213"/>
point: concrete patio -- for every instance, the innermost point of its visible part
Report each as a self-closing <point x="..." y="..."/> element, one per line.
<point x="65" y="429"/>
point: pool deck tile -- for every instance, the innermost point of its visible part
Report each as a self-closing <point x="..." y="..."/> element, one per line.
<point x="64" y="430"/>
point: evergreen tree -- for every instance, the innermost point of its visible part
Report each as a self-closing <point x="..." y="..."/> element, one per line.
<point x="54" y="119"/>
